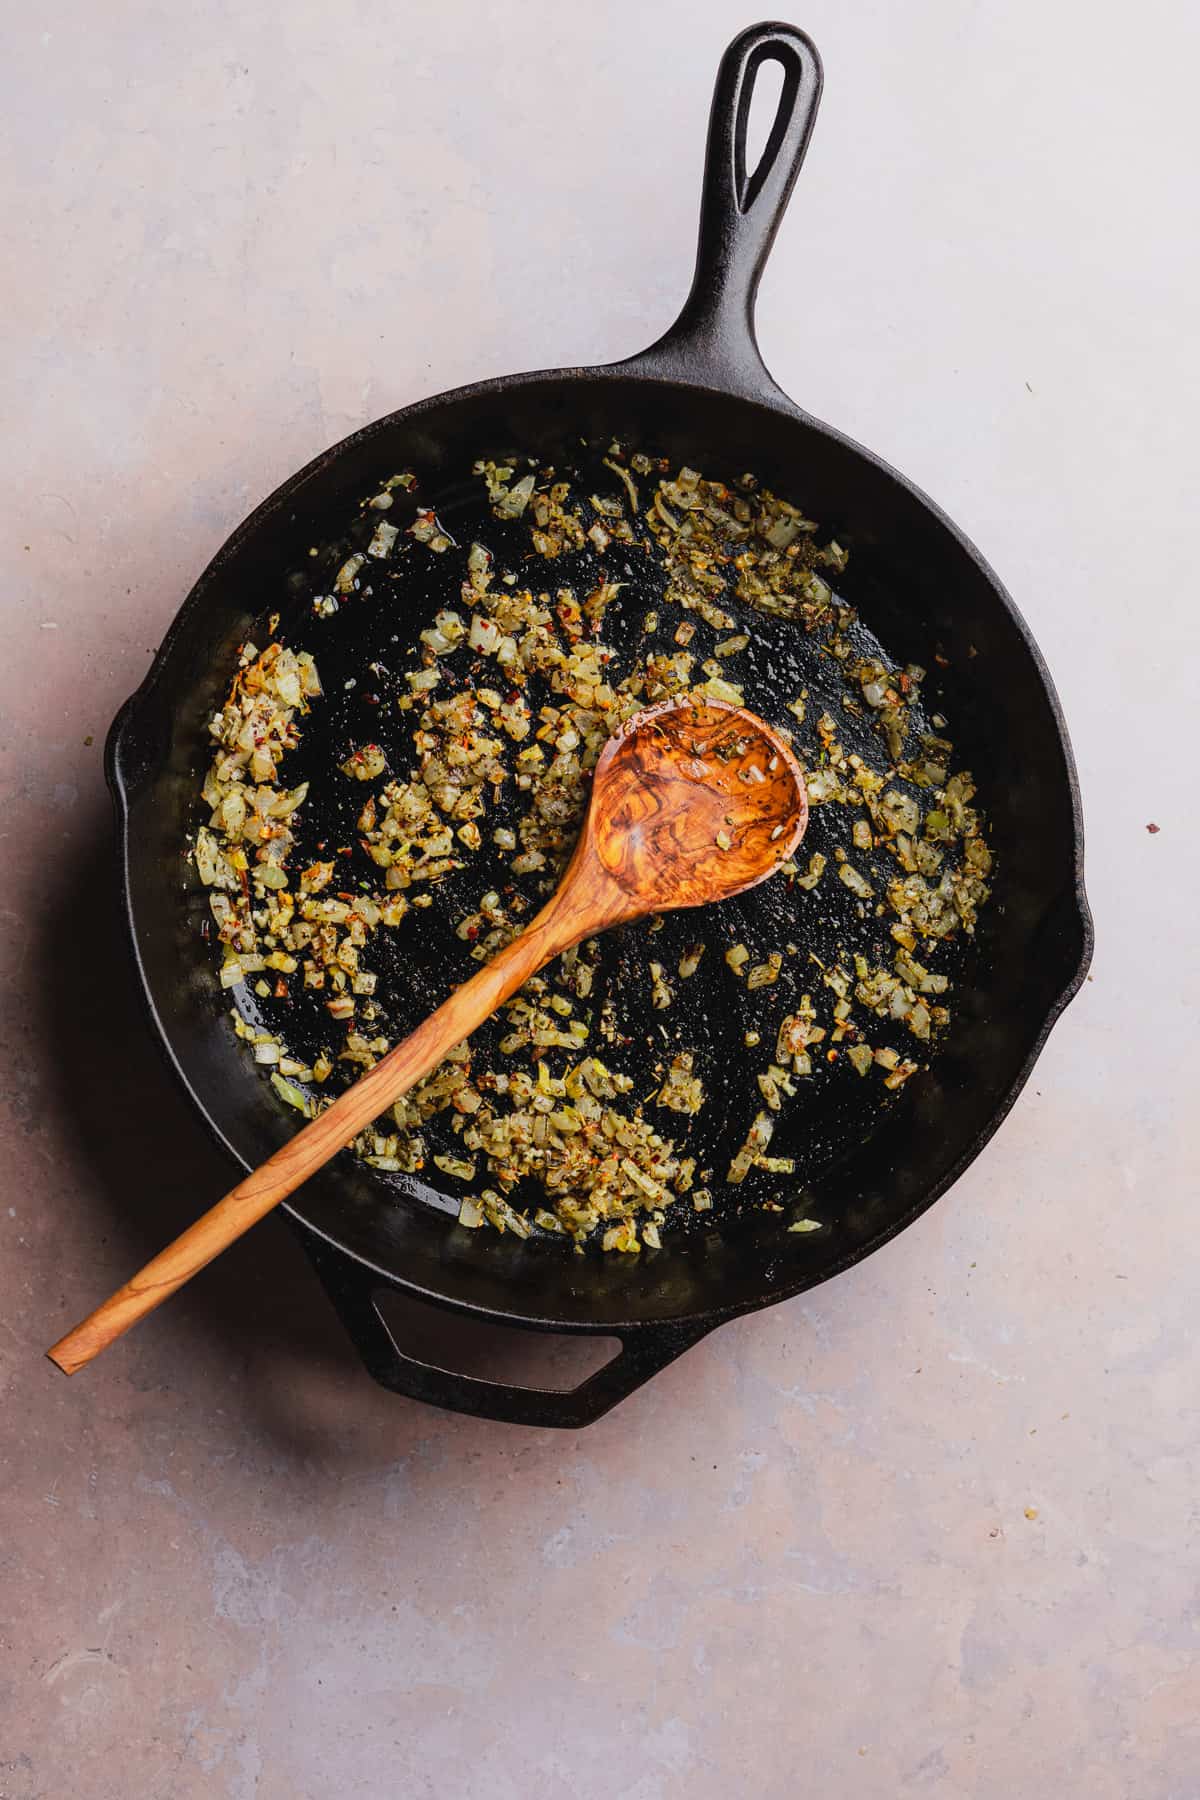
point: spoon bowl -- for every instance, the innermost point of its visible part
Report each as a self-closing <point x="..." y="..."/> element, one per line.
<point x="694" y="802"/>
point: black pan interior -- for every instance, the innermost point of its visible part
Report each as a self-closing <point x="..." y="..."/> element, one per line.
<point x="916" y="584"/>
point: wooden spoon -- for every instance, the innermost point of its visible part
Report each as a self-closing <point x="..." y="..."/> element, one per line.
<point x="691" y="802"/>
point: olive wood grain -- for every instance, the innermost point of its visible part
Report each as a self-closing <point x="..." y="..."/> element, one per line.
<point x="691" y="802"/>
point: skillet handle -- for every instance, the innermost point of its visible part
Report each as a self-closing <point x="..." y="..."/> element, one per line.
<point x="713" y="339"/>
<point x="356" y="1292"/>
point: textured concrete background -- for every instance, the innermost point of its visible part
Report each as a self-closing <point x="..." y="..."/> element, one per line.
<point x="802" y="1561"/>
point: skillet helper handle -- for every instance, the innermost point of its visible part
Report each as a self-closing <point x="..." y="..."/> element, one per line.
<point x="554" y="929"/>
<point x="713" y="338"/>
<point x="355" y="1291"/>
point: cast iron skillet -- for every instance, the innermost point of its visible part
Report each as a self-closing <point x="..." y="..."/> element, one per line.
<point x="700" y="395"/>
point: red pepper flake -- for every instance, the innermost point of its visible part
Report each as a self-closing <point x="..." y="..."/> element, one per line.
<point x="1153" y="829"/>
<point x="831" y="1056"/>
<point x="281" y="989"/>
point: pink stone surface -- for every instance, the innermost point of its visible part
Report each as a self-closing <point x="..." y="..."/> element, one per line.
<point x="930" y="1531"/>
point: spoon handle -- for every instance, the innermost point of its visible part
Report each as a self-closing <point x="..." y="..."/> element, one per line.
<point x="574" y="912"/>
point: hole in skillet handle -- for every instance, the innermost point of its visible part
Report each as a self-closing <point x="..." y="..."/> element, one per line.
<point x="712" y="342"/>
<point x="405" y="1344"/>
<point x="480" y="1350"/>
<point x="763" y="105"/>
